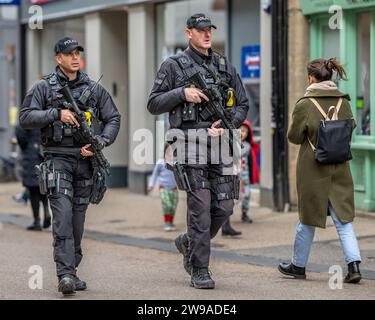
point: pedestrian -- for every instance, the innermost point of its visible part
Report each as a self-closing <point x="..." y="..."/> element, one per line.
<point x="167" y="188"/>
<point x="249" y="175"/>
<point x="323" y="189"/>
<point x="29" y="142"/>
<point x="75" y="178"/>
<point x="210" y="190"/>
<point x="22" y="197"/>
<point x="249" y="169"/>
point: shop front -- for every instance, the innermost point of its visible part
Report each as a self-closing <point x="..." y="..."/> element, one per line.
<point x="346" y="30"/>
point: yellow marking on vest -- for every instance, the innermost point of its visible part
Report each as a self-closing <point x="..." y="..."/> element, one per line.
<point x="88" y="118"/>
<point x="230" y="101"/>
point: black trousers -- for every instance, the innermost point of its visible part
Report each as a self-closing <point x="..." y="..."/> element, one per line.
<point x="69" y="209"/>
<point x="35" y="198"/>
<point x="205" y="217"/>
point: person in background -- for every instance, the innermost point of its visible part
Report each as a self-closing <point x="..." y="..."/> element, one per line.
<point x="29" y="142"/>
<point x="167" y="188"/>
<point x="323" y="189"/>
<point x="249" y="175"/>
<point x="21" y="197"/>
<point x="249" y="169"/>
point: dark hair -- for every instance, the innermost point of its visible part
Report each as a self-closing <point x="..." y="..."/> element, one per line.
<point x="323" y="69"/>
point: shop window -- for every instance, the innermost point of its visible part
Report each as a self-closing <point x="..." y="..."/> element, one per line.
<point x="331" y="43"/>
<point x="363" y="103"/>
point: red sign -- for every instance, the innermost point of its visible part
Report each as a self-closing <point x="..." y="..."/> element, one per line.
<point x="41" y="1"/>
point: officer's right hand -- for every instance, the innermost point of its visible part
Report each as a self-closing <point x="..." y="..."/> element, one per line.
<point x="194" y="95"/>
<point x="68" y="117"/>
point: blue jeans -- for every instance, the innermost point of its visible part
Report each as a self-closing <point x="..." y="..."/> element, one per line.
<point x="305" y="236"/>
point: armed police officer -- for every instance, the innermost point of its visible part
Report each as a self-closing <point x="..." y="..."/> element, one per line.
<point x="73" y="172"/>
<point x="201" y="91"/>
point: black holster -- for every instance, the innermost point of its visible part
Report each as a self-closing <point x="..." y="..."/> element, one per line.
<point x="99" y="185"/>
<point x="180" y="176"/>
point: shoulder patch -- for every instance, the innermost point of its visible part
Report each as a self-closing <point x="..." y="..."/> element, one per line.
<point x="160" y="77"/>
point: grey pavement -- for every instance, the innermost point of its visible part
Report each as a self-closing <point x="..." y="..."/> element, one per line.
<point x="127" y="255"/>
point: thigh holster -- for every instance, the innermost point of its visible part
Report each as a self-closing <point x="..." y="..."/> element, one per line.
<point x="219" y="182"/>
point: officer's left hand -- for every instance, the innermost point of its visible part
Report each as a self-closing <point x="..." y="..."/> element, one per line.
<point x="214" y="131"/>
<point x="85" y="152"/>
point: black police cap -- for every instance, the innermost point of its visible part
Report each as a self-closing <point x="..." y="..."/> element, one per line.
<point x="67" y="45"/>
<point x="199" y="21"/>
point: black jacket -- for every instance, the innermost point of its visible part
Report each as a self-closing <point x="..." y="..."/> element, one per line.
<point x="36" y="111"/>
<point x="167" y="94"/>
<point x="29" y="142"/>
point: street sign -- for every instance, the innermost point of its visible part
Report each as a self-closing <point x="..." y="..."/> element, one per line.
<point x="10" y="2"/>
<point x="251" y="62"/>
<point x="41" y="1"/>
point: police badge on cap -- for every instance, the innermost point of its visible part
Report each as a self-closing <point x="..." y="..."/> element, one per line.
<point x="67" y="45"/>
<point x="199" y="21"/>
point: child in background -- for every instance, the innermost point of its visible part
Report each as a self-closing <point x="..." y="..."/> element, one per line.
<point x="249" y="169"/>
<point x="167" y="188"/>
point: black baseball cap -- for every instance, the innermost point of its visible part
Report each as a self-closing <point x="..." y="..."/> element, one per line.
<point x="67" y="45"/>
<point x="199" y="21"/>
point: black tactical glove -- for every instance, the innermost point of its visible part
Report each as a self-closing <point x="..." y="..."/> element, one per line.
<point x="228" y="114"/>
<point x="100" y="142"/>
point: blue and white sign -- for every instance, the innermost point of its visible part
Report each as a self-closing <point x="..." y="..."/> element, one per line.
<point x="10" y="2"/>
<point x="251" y="62"/>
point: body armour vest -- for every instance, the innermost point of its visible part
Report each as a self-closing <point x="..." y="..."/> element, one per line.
<point x="189" y="115"/>
<point x="59" y="134"/>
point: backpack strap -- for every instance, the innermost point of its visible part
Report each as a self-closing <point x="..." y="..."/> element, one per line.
<point x="326" y="116"/>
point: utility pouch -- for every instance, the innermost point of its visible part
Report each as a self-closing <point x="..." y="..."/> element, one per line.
<point x="189" y="113"/>
<point x="58" y="131"/>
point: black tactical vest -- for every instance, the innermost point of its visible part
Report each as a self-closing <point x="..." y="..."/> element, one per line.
<point x="60" y="134"/>
<point x="216" y="76"/>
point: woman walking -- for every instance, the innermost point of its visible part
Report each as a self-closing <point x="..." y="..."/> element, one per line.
<point x="29" y="142"/>
<point x="323" y="189"/>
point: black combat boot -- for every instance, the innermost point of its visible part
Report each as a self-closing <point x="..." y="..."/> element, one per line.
<point x="67" y="284"/>
<point x="227" y="230"/>
<point x="354" y="274"/>
<point x="201" y="279"/>
<point x="35" y="226"/>
<point x="80" y="285"/>
<point x="182" y="245"/>
<point x="290" y="269"/>
<point x="47" y="222"/>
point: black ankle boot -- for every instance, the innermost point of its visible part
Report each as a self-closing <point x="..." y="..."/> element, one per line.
<point x="201" y="279"/>
<point x="47" y="222"/>
<point x="354" y="274"/>
<point x="290" y="269"/>
<point x="227" y="230"/>
<point x="35" y="226"/>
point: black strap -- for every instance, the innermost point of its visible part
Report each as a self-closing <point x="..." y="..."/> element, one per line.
<point x="67" y="192"/>
<point x="221" y="180"/>
<point x="84" y="183"/>
<point x="81" y="200"/>
<point x="226" y="196"/>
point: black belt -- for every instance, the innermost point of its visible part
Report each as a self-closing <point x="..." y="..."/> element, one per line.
<point x="73" y="151"/>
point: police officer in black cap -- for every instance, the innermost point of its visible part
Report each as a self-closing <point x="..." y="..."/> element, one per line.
<point x="211" y="199"/>
<point x="67" y="155"/>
